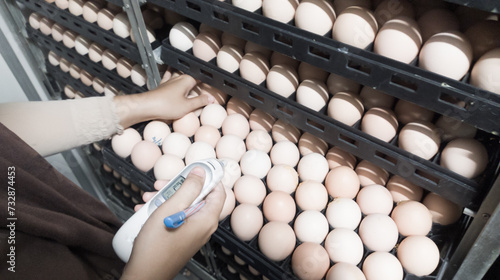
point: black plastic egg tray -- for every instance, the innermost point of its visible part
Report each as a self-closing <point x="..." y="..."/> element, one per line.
<point x="463" y="191"/>
<point x="491" y="6"/>
<point x="96" y="69"/>
<point x="66" y="79"/>
<point x="403" y="81"/>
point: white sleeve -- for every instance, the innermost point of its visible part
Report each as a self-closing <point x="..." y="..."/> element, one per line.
<point x="54" y="126"/>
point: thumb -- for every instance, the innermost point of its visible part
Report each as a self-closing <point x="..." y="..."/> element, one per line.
<point x="200" y="101"/>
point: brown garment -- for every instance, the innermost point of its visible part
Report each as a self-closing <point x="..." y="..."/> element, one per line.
<point x="61" y="231"/>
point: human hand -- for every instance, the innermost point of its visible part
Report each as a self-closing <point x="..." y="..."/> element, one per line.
<point x="160" y="252"/>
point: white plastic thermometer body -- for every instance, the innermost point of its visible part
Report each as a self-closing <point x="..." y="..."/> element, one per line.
<point x="124" y="238"/>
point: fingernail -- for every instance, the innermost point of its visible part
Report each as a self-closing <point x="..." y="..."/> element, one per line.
<point x="198" y="171"/>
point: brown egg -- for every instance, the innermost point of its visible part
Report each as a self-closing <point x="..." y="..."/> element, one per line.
<point x="310" y="261"/>
<point x="485" y="72"/>
<point x="344" y="271"/>
<point x="208" y="134"/>
<point x="412" y="218"/>
<point x="285" y="152"/>
<point x="246" y="221"/>
<point x="370" y="174"/>
<point x="419" y="255"/>
<point x="282" y="130"/>
<point x="282" y="177"/>
<point x="236" y="124"/>
<point x="388" y="9"/>
<point x="309" y="143"/>
<point x="279" y="206"/>
<point x="402" y="190"/>
<point x="338" y="157"/>
<point x="342" y="181"/>
<point x="230" y="146"/>
<point x="344" y="245"/>
<point x="311" y="195"/>
<point x="355" y="26"/>
<point x="380" y="123"/>
<point x="144" y="155"/>
<point x="276" y="240"/>
<point x="378" y="232"/>
<point x="249" y="189"/>
<point x="451" y="128"/>
<point x="187" y="125"/>
<point x="443" y="211"/>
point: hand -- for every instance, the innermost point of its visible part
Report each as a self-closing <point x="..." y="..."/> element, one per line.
<point x="158" y="185"/>
<point x="160" y="252"/>
<point x="168" y="101"/>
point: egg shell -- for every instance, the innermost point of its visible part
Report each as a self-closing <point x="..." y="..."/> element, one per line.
<point x="121" y="25"/>
<point x="344" y="245"/>
<point x="345" y="107"/>
<point x="62" y="4"/>
<point x="401" y="189"/>
<point x="232" y="171"/>
<point x="437" y="20"/>
<point x="443" y="211"/>
<point x="313" y="167"/>
<point x="105" y="18"/>
<point x="249" y="189"/>
<point x="213" y="114"/>
<point x="229" y="204"/>
<point x="412" y="218"/>
<point x="336" y="83"/>
<point x="355" y="26"/>
<point x="206" y="45"/>
<point x="144" y="155"/>
<point x="98" y="85"/>
<point x="254" y="67"/>
<point x="34" y="20"/>
<point x="167" y="166"/>
<point x="380" y="123"/>
<point x="260" y="119"/>
<point x="370" y="174"/>
<point x="176" y="144"/>
<point x="343" y="212"/>
<point x="255" y="162"/>
<point x="282" y="177"/>
<point x="382" y="266"/>
<point x="69" y="38"/>
<point x="182" y="35"/>
<point x="208" y="134"/>
<point x="311" y="195"/>
<point x="451" y="128"/>
<point x="137" y="75"/>
<point x="378" y="232"/>
<point x="109" y="59"/>
<point x="69" y="91"/>
<point x="199" y="151"/>
<point x="310" y="261"/>
<point x="279" y="206"/>
<point x="246" y="221"/>
<point x="285" y="152"/>
<point x="409" y="112"/>
<point x="419" y="255"/>
<point x="371" y="97"/>
<point x="485" y="72"/>
<point x="253" y="47"/>
<point x="308" y="71"/>
<point x="236" y="124"/>
<point x="388" y="9"/>
<point x="344" y="271"/>
<point x="342" y="181"/>
<point x="276" y="240"/>
<point x="278" y="58"/>
<point x="237" y="106"/>
<point x="124" y="67"/>
<point x="309" y="143"/>
<point x="316" y="16"/>
<point x="279" y="10"/>
<point x="230" y="146"/>
<point x="229" y="58"/>
<point x="230" y="39"/>
<point x="86" y="78"/>
<point x="76" y="7"/>
<point x="282" y="130"/>
<point x="64" y="64"/>
<point x="465" y="156"/>
<point x="311" y="226"/>
<point x="340" y="5"/>
<point x="282" y="79"/>
<point x="259" y="140"/>
<point x="420" y="138"/>
<point x="483" y="35"/>
<point x="186" y="125"/>
<point x="53" y="58"/>
<point x="90" y="10"/>
<point x="74" y="71"/>
<point x="374" y="199"/>
<point x="156" y="132"/>
<point x="313" y="94"/>
<point x="248" y="5"/>
<point x="57" y="32"/>
<point x="338" y="157"/>
<point x="95" y="52"/>
<point x="447" y="53"/>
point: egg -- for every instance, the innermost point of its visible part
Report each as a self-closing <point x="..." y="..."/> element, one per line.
<point x="485" y="72"/>
<point x="342" y="181"/>
<point x="451" y="128"/>
<point x="253" y="47"/>
<point x="137" y="75"/>
<point x="437" y="20"/>
<point x="199" y="151"/>
<point x="95" y="52"/>
<point x="105" y="18"/>
<point x="230" y="39"/>
<point x="282" y="177"/>
<point x="255" y="162"/>
<point x="382" y="266"/>
<point x="313" y="94"/>
<point x="246" y="221"/>
<point x="213" y="114"/>
<point x="208" y="134"/>
<point x="371" y="97"/>
<point x="69" y="91"/>
<point x="249" y="189"/>
<point x="285" y="152"/>
<point x="401" y="189"/>
<point x="278" y="58"/>
<point x="156" y="132"/>
<point x="340" y="5"/>
<point x="64" y="64"/>
<point x="76" y="7"/>
<point x="281" y="10"/>
<point x="374" y="199"/>
<point x="344" y="271"/>
<point x="483" y="37"/>
<point x="186" y="125"/>
<point x="98" y="85"/>
<point x="276" y="240"/>
<point x="282" y="130"/>
<point x="370" y="174"/>
<point x="62" y="4"/>
<point x="109" y="59"/>
<point x="167" y="166"/>
<point x="336" y="83"/>
<point x="248" y="5"/>
<point x="316" y="16"/>
<point x="34" y="20"/>
<point x="282" y="79"/>
<point x="86" y="78"/>
<point x="230" y="146"/>
<point x="447" y="53"/>
<point x="259" y="140"/>
<point x="254" y="67"/>
<point x="311" y="195"/>
<point x="176" y="144"/>
<point x="229" y="58"/>
<point x="182" y="35"/>
<point x="345" y="107"/>
<point x="74" y="71"/>
<point x="443" y="211"/>
<point x="237" y="106"/>
<point x="229" y="204"/>
<point x="389" y="9"/>
<point x="309" y="143"/>
<point x="465" y="156"/>
<point x="53" y="58"/>
<point x="69" y="38"/>
<point x="311" y="226"/>
<point x="338" y="157"/>
<point x="398" y="39"/>
<point x="313" y="167"/>
<point x="355" y="26"/>
<point x="236" y="124"/>
<point x="260" y="119"/>
<point x="121" y="25"/>
<point x="57" y="32"/>
<point x="344" y="245"/>
<point x="380" y="123"/>
<point x="378" y="232"/>
<point x="409" y="112"/>
<point x="308" y="71"/>
<point x="343" y="212"/>
<point x="420" y="138"/>
<point x="412" y="218"/>
<point x="90" y="10"/>
<point x="206" y="45"/>
<point x="144" y="155"/>
<point x="310" y="261"/>
<point x="124" y="67"/>
<point x="419" y="255"/>
<point x="279" y="206"/>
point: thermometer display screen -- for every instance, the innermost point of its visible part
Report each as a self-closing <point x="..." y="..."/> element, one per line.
<point x="167" y="193"/>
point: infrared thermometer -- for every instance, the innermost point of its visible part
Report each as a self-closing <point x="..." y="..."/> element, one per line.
<point x="123" y="240"/>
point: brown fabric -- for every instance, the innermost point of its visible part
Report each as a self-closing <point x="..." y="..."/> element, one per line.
<point x="61" y="231"/>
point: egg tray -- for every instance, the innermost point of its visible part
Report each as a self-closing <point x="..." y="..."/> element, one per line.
<point x="463" y="191"/>
<point x="119" y="190"/>
<point x="66" y="79"/>
<point x="96" y="69"/>
<point x="491" y="6"/>
<point x="403" y="81"/>
<point x="92" y="31"/>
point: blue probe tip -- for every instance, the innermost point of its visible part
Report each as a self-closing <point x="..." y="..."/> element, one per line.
<point x="175" y="220"/>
